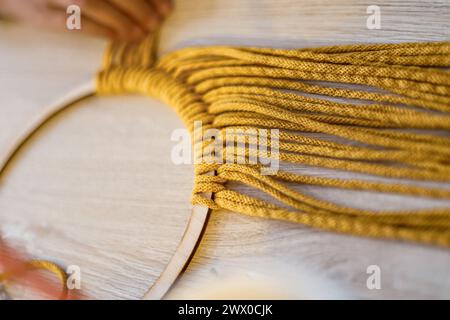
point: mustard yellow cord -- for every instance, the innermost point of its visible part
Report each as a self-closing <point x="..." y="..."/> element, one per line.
<point x="298" y="92"/>
<point x="40" y="265"/>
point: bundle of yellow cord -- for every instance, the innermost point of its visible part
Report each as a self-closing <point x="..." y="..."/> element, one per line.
<point x="234" y="87"/>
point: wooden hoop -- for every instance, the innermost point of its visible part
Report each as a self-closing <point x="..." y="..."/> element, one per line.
<point x="194" y="229"/>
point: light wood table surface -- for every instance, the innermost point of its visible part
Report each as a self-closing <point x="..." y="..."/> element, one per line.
<point x="96" y="187"/>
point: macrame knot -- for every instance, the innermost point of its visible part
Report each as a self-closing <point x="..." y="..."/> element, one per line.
<point x="205" y="183"/>
<point x="393" y="90"/>
<point x="132" y="68"/>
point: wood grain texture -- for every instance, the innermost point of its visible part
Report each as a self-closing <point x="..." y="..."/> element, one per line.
<point x="109" y="215"/>
<point x="90" y="190"/>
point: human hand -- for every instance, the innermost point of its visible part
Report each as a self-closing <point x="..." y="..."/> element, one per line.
<point x="127" y="20"/>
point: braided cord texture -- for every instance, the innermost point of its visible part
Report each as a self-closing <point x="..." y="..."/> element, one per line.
<point x="298" y="91"/>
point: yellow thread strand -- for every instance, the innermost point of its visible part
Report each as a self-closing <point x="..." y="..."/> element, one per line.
<point x="232" y="88"/>
<point x="42" y="265"/>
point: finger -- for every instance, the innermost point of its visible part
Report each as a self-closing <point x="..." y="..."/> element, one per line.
<point x="105" y="14"/>
<point x="56" y="19"/>
<point x="50" y="18"/>
<point x="141" y="12"/>
<point x="163" y="7"/>
<point x="92" y="28"/>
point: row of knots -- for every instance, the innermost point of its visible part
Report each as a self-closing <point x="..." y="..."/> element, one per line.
<point x="391" y="120"/>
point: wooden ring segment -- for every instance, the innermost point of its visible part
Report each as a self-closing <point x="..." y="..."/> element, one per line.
<point x="197" y="221"/>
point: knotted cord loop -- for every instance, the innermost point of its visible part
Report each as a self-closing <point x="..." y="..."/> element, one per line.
<point x="231" y="88"/>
